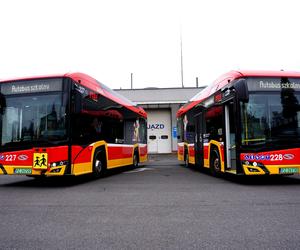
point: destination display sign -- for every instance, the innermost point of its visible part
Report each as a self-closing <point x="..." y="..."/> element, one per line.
<point x="273" y="84"/>
<point x="31" y="86"/>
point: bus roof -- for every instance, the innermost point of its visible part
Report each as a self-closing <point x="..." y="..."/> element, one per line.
<point x="226" y="78"/>
<point x="93" y="84"/>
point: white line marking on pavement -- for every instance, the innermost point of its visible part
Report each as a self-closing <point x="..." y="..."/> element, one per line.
<point x="137" y="170"/>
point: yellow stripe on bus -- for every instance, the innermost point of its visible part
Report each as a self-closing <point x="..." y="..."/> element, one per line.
<point x="82" y="168"/>
<point x="143" y="158"/>
<point x="119" y="163"/>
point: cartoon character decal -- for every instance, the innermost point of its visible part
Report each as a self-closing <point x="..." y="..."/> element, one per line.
<point x="136" y="126"/>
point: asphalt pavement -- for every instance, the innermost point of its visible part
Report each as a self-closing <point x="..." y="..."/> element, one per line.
<point x="160" y="205"/>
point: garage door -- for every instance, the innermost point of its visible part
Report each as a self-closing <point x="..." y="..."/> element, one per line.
<point x="159" y="131"/>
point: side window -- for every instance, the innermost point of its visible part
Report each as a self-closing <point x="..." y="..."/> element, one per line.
<point x="129" y="131"/>
<point x="95" y="118"/>
<point x="135" y="131"/>
<point x="179" y="129"/>
<point x="189" y="127"/>
<point x="214" y="124"/>
<point x="143" y="131"/>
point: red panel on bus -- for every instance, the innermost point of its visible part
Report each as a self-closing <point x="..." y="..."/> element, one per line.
<point x="279" y="157"/>
<point x="25" y="157"/>
<point x="119" y="151"/>
<point x="192" y="150"/>
<point x="81" y="155"/>
<point x="205" y="151"/>
<point x="143" y="150"/>
<point x="17" y="158"/>
<point x="222" y="151"/>
<point x="180" y="149"/>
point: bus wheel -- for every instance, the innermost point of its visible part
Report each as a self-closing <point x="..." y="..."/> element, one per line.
<point x="135" y="160"/>
<point x="186" y="160"/>
<point x="98" y="167"/>
<point x="215" y="163"/>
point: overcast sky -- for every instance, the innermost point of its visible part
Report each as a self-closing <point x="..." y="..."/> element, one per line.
<point x="111" y="39"/>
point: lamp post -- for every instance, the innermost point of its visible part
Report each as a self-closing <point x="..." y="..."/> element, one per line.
<point x="181" y="60"/>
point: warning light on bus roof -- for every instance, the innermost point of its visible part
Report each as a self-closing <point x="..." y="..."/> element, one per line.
<point x="218" y="97"/>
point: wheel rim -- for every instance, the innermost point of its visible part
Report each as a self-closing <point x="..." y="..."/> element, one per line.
<point x="186" y="160"/>
<point x="216" y="164"/>
<point x="135" y="160"/>
<point x="98" y="166"/>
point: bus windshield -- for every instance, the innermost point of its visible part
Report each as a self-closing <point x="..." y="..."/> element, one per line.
<point x="32" y="119"/>
<point x="271" y="118"/>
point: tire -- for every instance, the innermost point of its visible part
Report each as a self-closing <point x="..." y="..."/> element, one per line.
<point x="186" y="160"/>
<point x="215" y="163"/>
<point x="98" y="165"/>
<point x="135" y="163"/>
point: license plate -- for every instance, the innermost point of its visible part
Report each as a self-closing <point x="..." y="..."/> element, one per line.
<point x="288" y="170"/>
<point x="22" y="171"/>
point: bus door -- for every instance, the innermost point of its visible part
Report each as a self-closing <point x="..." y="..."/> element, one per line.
<point x="230" y="132"/>
<point x="199" y="154"/>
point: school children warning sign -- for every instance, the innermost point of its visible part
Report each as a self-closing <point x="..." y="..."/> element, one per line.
<point x="40" y="160"/>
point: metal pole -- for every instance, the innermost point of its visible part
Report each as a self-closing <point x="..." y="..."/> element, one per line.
<point x="131" y="80"/>
<point x="181" y="60"/>
<point x="197" y="83"/>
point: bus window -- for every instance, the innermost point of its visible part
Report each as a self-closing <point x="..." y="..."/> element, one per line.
<point x="96" y="120"/>
<point x="143" y="131"/>
<point x="189" y="128"/>
<point x="214" y="123"/>
<point x="179" y="130"/>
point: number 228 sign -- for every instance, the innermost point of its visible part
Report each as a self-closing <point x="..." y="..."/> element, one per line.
<point x="40" y="160"/>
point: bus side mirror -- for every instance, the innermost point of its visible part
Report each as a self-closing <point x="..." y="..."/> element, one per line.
<point x="241" y="90"/>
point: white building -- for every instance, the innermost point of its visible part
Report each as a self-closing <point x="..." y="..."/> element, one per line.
<point x="161" y="104"/>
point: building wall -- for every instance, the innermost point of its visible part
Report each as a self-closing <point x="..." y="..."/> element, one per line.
<point x="159" y="131"/>
<point x="159" y="95"/>
<point x="162" y="99"/>
<point x="173" y="109"/>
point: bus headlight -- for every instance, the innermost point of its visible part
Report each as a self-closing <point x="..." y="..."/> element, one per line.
<point x="58" y="164"/>
<point x="250" y="163"/>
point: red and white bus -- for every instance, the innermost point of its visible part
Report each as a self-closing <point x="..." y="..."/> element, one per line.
<point x="67" y="125"/>
<point x="245" y="123"/>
